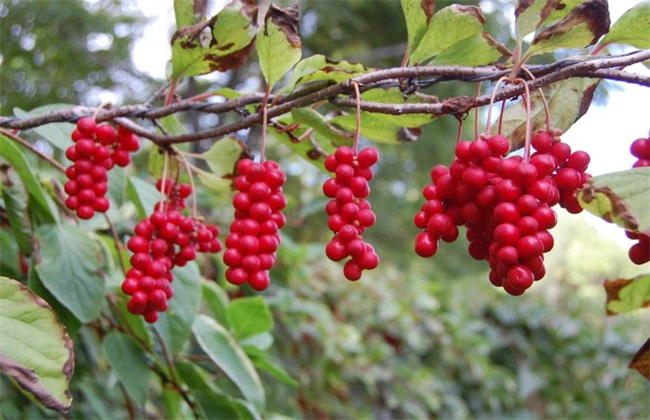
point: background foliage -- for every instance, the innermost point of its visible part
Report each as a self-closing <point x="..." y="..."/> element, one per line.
<point x="413" y="339"/>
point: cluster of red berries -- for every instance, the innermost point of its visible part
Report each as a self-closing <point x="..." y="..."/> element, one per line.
<point x="96" y="150"/>
<point x="162" y="241"/>
<point x="639" y="253"/>
<point x="505" y="203"/>
<point x="349" y="212"/>
<point x="254" y="234"/>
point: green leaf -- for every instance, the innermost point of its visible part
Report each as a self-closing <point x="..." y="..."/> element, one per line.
<point x="318" y="68"/>
<point x="249" y="316"/>
<point x="260" y="359"/>
<point x="210" y="397"/>
<point x="234" y="31"/>
<point x="173" y="403"/>
<point x="15" y="203"/>
<point x="157" y="163"/>
<point x="143" y="195"/>
<point x="583" y="26"/>
<point x="72" y="324"/>
<point x="477" y="50"/>
<point x="40" y="202"/>
<point x="172" y="125"/>
<point x="184" y="13"/>
<point x="129" y="363"/>
<point x="262" y="341"/>
<point x="69" y="267"/>
<point x="528" y="16"/>
<point x="216" y="300"/>
<point x="9" y="263"/>
<point x="315" y="120"/>
<point x="568" y="101"/>
<point x="620" y="197"/>
<point x="376" y="127"/>
<point x="633" y="28"/>
<point x="222" y="348"/>
<point x="35" y="349"/>
<point x="418" y="16"/>
<point x="56" y="133"/>
<point x="214" y="182"/>
<point x="174" y="324"/>
<point x="448" y="26"/>
<point x="278" y="43"/>
<point x="395" y="96"/>
<point x="223" y="155"/>
<point x="233" y="34"/>
<point x="634" y="294"/>
<point x="307" y="148"/>
<point x="533" y="14"/>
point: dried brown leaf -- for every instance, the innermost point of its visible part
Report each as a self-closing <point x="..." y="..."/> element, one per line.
<point x="496" y="44"/>
<point x="612" y="290"/>
<point x="641" y="360"/>
<point x="595" y="13"/>
<point x="619" y="208"/>
<point x="287" y="20"/>
<point x="428" y="7"/>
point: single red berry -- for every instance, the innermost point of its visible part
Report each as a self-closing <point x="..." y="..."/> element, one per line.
<point x="640" y="148"/>
<point x="426" y="245"/>
<point x="352" y="270"/>
<point x="520" y="277"/>
<point x="368" y="157"/>
<point x="87" y="126"/>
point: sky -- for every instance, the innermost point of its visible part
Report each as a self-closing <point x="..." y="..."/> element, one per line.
<point x="605" y="131"/>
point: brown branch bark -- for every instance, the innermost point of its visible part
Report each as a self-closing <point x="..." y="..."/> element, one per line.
<point x="607" y="67"/>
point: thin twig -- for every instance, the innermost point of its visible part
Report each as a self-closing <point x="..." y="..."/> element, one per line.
<point x="32" y="149"/>
<point x="118" y="243"/>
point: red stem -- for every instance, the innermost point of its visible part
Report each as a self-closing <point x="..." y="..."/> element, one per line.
<point x="265" y="122"/>
<point x="357" y="131"/>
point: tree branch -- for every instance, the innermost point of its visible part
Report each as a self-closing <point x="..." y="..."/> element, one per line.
<point x="606" y="67"/>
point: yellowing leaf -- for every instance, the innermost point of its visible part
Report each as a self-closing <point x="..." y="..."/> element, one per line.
<point x="633" y="28"/>
<point x="583" y="26"/>
<point x="278" y="43"/>
<point x="620" y="197"/>
<point x="447" y="27"/>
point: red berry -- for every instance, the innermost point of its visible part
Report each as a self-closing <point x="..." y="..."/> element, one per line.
<point x="520" y="277"/>
<point x="87" y="126"/>
<point x="640" y="148"/>
<point x="367" y="157"/>
<point x="425" y="245"/>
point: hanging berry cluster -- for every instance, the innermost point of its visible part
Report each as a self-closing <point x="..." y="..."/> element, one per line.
<point x="349" y="212"/>
<point x="639" y="253"/>
<point x="96" y="150"/>
<point x="162" y="241"/>
<point x="505" y="204"/>
<point x="254" y="234"/>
